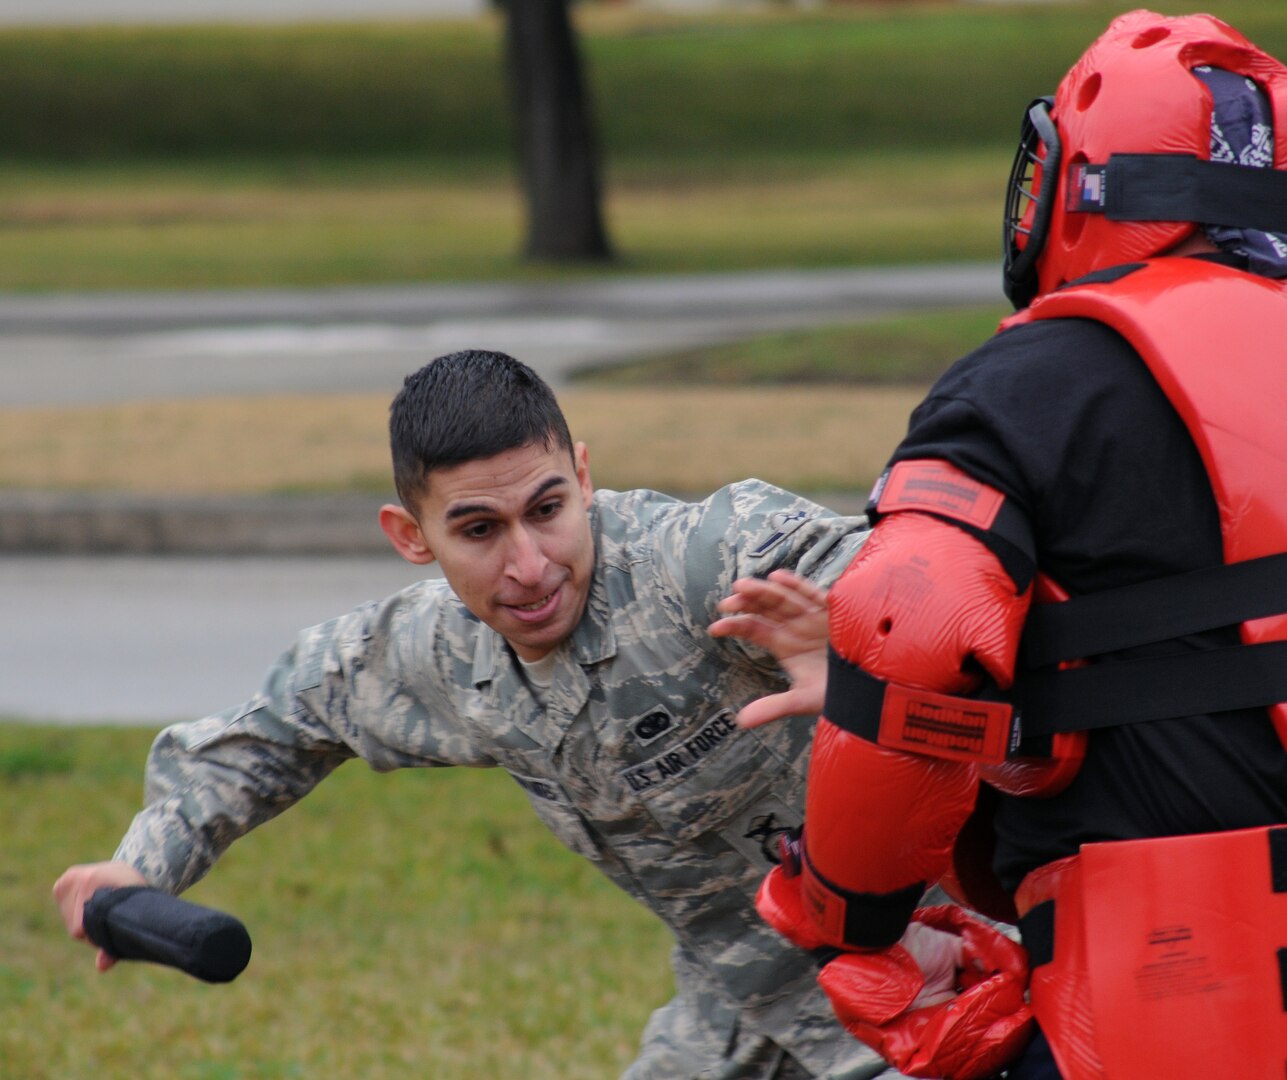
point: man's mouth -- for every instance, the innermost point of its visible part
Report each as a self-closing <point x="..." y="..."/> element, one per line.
<point x="537" y="609"/>
<point x="535" y="605"/>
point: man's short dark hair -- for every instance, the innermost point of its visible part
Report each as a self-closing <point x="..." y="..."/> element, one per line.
<point x="466" y="406"/>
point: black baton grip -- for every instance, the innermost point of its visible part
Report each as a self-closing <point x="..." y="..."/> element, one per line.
<point x="141" y="923"/>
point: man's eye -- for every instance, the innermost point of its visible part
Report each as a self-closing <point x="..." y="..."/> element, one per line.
<point x="547" y="510"/>
<point x="478" y="530"/>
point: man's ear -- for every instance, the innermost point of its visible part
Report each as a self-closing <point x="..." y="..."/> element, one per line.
<point x="581" y="460"/>
<point x="404" y="533"/>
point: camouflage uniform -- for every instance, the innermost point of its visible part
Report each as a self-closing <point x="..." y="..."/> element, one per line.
<point x="633" y="762"/>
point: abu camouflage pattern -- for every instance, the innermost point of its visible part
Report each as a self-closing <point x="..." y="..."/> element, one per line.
<point x="633" y="761"/>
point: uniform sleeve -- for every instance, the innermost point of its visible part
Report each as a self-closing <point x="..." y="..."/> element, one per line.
<point x="339" y="693"/>
<point x="750" y="529"/>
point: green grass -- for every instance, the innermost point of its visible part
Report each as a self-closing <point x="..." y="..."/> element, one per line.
<point x="410" y="924"/>
<point x="910" y="349"/>
<point x="708" y="86"/>
<point x="266" y="223"/>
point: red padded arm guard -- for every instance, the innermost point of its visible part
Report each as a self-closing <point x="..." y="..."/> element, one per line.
<point x="924" y="605"/>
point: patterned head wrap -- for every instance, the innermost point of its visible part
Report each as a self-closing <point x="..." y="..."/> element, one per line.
<point x="1242" y="132"/>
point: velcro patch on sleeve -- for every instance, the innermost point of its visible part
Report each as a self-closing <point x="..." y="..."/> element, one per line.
<point x="938" y="487"/>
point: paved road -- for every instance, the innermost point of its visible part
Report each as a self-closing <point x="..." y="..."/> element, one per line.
<point x="147" y="640"/>
<point x="84" y="348"/>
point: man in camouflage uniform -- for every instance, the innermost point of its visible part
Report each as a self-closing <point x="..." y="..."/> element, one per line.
<point x="568" y="645"/>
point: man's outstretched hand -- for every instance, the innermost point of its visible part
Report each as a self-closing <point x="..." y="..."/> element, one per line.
<point x="786" y="615"/>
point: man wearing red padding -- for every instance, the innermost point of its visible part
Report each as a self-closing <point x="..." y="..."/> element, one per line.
<point x="1066" y="639"/>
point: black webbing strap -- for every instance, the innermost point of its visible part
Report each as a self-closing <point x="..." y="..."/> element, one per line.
<point x="1037" y="929"/>
<point x="1181" y="187"/>
<point x="853" y="700"/>
<point x="977" y="728"/>
<point x="1152" y="688"/>
<point x="1156" y="610"/>
<point x="873" y="920"/>
<point x="1278" y="859"/>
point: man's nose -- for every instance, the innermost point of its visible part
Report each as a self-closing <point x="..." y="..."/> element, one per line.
<point x="526" y="559"/>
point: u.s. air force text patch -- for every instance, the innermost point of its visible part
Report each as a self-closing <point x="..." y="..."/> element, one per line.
<point x="682" y="757"/>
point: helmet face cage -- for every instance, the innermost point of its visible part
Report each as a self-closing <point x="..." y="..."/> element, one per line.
<point x="1027" y="206"/>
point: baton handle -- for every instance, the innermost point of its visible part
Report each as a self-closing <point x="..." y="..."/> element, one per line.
<point x="141" y="923"/>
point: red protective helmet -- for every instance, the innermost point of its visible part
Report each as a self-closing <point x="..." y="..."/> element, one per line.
<point x="1117" y="168"/>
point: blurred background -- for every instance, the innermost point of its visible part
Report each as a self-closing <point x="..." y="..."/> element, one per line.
<point x="294" y="198"/>
<point x="740" y="238"/>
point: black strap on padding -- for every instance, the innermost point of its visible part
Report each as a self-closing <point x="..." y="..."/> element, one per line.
<point x="1278" y="883"/>
<point x="873" y="920"/>
<point x="1010" y="539"/>
<point x="853" y="700"/>
<point x="1037" y="928"/>
<point x="1181" y="187"/>
<point x="1152" y="688"/>
<point x="1011" y="524"/>
<point x="1155" y="610"/>
<point x="1278" y="858"/>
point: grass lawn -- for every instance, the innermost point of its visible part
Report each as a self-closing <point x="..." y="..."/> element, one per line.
<point x="264" y="223"/>
<point x="410" y="924"/>
<point x="187" y="157"/>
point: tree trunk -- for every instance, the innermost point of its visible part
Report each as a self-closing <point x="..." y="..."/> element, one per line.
<point x="558" y="158"/>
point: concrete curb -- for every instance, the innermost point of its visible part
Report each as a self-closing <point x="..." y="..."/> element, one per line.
<point x="62" y="523"/>
<point x="74" y="523"/>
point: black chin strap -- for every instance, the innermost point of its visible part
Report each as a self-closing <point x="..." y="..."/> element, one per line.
<point x="1180" y="187"/>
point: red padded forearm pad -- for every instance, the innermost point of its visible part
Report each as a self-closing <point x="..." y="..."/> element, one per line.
<point x="877" y="822"/>
<point x="924" y="605"/>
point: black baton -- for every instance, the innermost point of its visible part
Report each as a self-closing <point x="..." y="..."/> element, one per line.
<point x="140" y="923"/>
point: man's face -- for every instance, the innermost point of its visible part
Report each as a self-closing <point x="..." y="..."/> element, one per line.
<point x="512" y="535"/>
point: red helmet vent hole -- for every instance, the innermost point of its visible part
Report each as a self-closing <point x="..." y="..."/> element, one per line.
<point x="1089" y="91"/>
<point x="1151" y="37"/>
